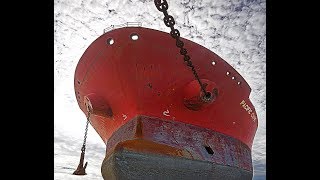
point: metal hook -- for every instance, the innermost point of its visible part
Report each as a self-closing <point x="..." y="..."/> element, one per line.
<point x="81" y="170"/>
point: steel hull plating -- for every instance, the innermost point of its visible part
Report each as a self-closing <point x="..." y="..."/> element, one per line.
<point x="146" y="82"/>
<point x="153" y="148"/>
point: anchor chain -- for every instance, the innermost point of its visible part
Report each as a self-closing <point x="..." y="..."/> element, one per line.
<point x="81" y="170"/>
<point x="162" y="6"/>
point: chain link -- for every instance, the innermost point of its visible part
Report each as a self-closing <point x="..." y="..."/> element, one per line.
<point x="81" y="169"/>
<point x="83" y="148"/>
<point x="162" y="6"/>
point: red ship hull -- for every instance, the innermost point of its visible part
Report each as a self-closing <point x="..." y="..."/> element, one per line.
<point x="142" y="95"/>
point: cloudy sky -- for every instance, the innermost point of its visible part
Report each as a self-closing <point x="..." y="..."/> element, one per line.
<point x="233" y="29"/>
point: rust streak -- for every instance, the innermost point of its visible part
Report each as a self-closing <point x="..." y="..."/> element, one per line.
<point x="145" y="146"/>
<point x="139" y="129"/>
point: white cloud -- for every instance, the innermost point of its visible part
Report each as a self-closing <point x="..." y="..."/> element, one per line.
<point x="235" y="30"/>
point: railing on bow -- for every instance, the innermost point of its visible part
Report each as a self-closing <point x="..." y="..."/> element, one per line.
<point x="127" y="24"/>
